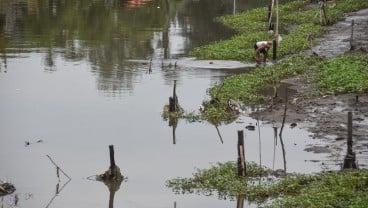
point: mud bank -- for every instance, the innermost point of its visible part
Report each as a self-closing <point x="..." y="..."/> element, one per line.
<point x="326" y="117"/>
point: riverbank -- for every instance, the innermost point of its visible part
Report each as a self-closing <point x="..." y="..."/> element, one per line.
<point x="326" y="116"/>
<point x="323" y="114"/>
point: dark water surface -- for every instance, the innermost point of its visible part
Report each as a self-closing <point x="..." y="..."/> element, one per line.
<point x="66" y="78"/>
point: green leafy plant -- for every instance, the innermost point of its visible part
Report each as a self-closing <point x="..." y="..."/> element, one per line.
<point x="252" y="26"/>
<point x="346" y="74"/>
<point x="330" y="189"/>
<point x="246" y="87"/>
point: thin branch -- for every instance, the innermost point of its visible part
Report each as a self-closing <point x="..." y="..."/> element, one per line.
<point x="58" y="167"/>
<point x="218" y="132"/>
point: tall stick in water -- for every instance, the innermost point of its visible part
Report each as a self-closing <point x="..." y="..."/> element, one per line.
<point x="173" y="101"/>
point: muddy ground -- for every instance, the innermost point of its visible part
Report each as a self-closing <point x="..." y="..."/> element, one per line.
<point x="326" y="117"/>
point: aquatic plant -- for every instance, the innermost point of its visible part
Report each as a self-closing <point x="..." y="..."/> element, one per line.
<point x="246" y="87"/>
<point x="334" y="189"/>
<point x="329" y="189"/>
<point x="252" y="26"/>
<point x="221" y="178"/>
<point x="345" y="74"/>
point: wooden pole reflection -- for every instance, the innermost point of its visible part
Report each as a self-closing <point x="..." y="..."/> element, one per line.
<point x="240" y="201"/>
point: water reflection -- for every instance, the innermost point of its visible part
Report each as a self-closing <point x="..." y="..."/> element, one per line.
<point x="58" y="189"/>
<point x="240" y="201"/>
<point x="113" y="187"/>
<point x="173" y="122"/>
<point x="108" y="33"/>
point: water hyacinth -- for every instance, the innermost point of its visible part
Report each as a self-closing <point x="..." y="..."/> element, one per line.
<point x="329" y="189"/>
<point x="252" y="26"/>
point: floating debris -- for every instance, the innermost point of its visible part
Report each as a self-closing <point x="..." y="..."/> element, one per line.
<point x="6" y="188"/>
<point x="250" y="127"/>
<point x="292" y="125"/>
<point x="27" y="143"/>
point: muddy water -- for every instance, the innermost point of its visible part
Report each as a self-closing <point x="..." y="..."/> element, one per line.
<point x="69" y="87"/>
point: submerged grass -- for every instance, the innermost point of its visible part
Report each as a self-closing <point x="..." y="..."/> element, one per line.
<point x="331" y="189"/>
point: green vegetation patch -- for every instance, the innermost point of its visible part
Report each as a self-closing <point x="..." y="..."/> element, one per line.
<point x="346" y="74"/>
<point x="245" y="88"/>
<point x="335" y="189"/>
<point x="252" y="26"/>
<point x="330" y="189"/>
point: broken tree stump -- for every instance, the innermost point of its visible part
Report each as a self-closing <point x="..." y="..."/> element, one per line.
<point x="113" y="173"/>
<point x="6" y="188"/>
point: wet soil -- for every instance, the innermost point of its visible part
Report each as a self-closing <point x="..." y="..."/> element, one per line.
<point x="326" y="117"/>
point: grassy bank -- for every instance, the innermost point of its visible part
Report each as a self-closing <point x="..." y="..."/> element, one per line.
<point x="346" y="74"/>
<point x="299" y="22"/>
<point x="331" y="189"/>
<point x="252" y="26"/>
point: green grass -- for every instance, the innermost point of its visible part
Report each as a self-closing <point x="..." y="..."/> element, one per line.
<point x="331" y="189"/>
<point x="245" y="88"/>
<point x="252" y="26"/>
<point x="346" y="74"/>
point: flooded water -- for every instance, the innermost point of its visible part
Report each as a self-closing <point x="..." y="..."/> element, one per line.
<point x="74" y="79"/>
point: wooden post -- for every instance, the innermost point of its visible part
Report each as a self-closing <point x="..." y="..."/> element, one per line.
<point x="112" y="158"/>
<point x="350" y="133"/>
<point x="171" y="104"/>
<point x="174" y="90"/>
<point x="352" y="35"/>
<point x="150" y="67"/>
<point x="322" y="13"/>
<point x="349" y="161"/>
<point x="173" y="100"/>
<point x="269" y="16"/>
<point x="274" y="49"/>
<point x="277" y="19"/>
<point x="241" y="154"/>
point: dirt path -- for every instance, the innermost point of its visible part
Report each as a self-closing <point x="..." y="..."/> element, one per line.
<point x="326" y="117"/>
